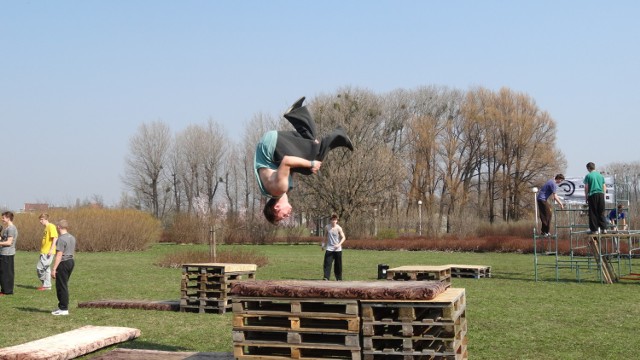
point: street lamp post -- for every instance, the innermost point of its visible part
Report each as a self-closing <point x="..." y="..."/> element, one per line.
<point x="375" y="222"/>
<point x="420" y="217"/>
<point x="535" y="205"/>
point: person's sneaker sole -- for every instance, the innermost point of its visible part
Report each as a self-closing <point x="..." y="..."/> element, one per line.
<point x="60" y="312"/>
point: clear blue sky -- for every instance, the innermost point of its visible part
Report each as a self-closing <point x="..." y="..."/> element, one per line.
<point x="77" y="78"/>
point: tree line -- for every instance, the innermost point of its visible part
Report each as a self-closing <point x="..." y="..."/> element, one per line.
<point x="463" y="155"/>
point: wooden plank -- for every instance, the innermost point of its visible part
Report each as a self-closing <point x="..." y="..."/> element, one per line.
<point x="605" y="267"/>
<point x="70" y="344"/>
<point x="227" y="267"/>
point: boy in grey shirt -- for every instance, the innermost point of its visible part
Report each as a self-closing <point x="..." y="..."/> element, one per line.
<point x="8" y="239"/>
<point x="63" y="267"/>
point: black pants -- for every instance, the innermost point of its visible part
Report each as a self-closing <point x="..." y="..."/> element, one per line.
<point x="63" y="273"/>
<point x="7" y="274"/>
<point x="329" y="257"/>
<point x="544" y="211"/>
<point x="302" y="142"/>
<point x="596" y="212"/>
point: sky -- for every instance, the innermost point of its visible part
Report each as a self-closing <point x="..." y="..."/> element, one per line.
<point x="78" y="78"/>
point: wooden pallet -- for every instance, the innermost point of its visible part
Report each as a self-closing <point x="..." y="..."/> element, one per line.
<point x="302" y="352"/>
<point x="205" y="287"/>
<point x="470" y="271"/>
<point x="218" y="268"/>
<point x="447" y="306"/>
<point x="460" y="353"/>
<point x="204" y="305"/>
<point x="261" y="337"/>
<point x="205" y="294"/>
<point x="434" y="330"/>
<point x="420" y="273"/>
<point x="288" y="306"/>
<point x="228" y="278"/>
<point x="326" y="323"/>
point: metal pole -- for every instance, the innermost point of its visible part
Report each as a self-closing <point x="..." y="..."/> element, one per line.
<point x="212" y="253"/>
<point x="535" y="241"/>
<point x="420" y="217"/>
<point x="375" y="222"/>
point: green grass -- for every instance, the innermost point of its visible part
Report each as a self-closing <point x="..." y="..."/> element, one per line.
<point x="510" y="316"/>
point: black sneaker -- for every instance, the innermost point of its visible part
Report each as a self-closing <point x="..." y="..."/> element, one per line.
<point x="296" y="105"/>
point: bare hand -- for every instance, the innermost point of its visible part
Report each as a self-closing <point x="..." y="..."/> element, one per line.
<point x="316" y="166"/>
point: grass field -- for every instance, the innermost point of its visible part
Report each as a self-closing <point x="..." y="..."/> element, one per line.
<point x="510" y="316"/>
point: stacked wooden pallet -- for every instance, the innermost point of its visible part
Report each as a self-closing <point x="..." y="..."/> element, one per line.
<point x="470" y="271"/>
<point x="429" y="329"/>
<point x="440" y="273"/>
<point x="280" y="328"/>
<point x="322" y="320"/>
<point x="205" y="287"/>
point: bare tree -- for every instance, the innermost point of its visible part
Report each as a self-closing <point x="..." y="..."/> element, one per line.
<point x="214" y="145"/>
<point x="145" y="164"/>
<point x="189" y="151"/>
<point x="349" y="182"/>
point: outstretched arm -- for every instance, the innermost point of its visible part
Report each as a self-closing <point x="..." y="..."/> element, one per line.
<point x="276" y="182"/>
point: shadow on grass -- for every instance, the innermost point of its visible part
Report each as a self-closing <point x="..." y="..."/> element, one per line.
<point x="33" y="310"/>
<point x="32" y="287"/>
<point x="147" y="345"/>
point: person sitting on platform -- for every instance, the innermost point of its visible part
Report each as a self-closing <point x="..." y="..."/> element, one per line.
<point x="617" y="217"/>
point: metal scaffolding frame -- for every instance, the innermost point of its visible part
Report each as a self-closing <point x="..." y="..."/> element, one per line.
<point x="588" y="252"/>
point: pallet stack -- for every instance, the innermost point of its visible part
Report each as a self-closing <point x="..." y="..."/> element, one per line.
<point x="205" y="287"/>
<point x="470" y="271"/>
<point x="440" y="273"/>
<point x="281" y="328"/>
<point x="431" y="329"/>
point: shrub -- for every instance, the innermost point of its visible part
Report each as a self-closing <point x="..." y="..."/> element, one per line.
<point x="232" y="256"/>
<point x="523" y="229"/>
<point x="95" y="229"/>
<point x="387" y="233"/>
<point x="186" y="229"/>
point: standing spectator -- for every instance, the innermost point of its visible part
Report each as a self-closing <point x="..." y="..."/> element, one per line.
<point x="47" y="250"/>
<point x="333" y="249"/>
<point x="618" y="217"/>
<point x="7" y="253"/>
<point x="594" y="190"/>
<point x="63" y="267"/>
<point x="548" y="190"/>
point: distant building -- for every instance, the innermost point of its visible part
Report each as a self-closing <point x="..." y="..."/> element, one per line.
<point x="36" y="207"/>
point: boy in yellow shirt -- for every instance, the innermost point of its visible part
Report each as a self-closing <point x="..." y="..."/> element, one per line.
<point x="47" y="250"/>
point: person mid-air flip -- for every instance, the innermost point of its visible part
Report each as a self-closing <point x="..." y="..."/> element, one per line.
<point x="279" y="154"/>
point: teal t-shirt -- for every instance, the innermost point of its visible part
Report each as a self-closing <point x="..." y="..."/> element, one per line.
<point x="595" y="181"/>
<point x="264" y="158"/>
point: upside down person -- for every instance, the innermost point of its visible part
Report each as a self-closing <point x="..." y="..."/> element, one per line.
<point x="279" y="154"/>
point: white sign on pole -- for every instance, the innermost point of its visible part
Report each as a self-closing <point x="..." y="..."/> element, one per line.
<point x="572" y="190"/>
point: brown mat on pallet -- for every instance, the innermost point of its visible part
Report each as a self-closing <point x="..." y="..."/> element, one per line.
<point x="70" y="344"/>
<point x="167" y="305"/>
<point x="362" y="290"/>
